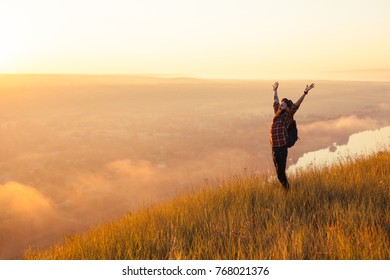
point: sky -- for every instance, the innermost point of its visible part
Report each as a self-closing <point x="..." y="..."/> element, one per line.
<point x="200" y="38"/>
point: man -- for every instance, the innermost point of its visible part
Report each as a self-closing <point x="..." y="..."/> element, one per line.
<point x="284" y="113"/>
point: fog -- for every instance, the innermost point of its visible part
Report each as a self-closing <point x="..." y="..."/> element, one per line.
<point x="359" y="144"/>
<point x="76" y="151"/>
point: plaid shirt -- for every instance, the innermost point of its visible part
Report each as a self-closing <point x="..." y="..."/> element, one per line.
<point x="278" y="128"/>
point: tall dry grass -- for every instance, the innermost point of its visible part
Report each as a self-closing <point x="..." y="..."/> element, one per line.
<point x="342" y="212"/>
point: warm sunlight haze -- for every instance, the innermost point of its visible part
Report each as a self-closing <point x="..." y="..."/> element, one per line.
<point x="223" y="39"/>
<point x="159" y="129"/>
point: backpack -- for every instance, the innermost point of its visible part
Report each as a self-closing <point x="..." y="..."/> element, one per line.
<point x="292" y="132"/>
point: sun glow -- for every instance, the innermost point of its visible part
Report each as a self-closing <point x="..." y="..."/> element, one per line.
<point x="16" y="40"/>
<point x="195" y="38"/>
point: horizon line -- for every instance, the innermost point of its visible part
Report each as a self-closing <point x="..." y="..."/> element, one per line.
<point x="182" y="76"/>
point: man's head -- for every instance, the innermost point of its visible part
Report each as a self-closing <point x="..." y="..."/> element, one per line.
<point x="286" y="103"/>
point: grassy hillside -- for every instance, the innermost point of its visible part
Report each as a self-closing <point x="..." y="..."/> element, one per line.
<point x="342" y="212"/>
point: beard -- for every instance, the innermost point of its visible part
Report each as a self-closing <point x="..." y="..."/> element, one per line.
<point x="280" y="111"/>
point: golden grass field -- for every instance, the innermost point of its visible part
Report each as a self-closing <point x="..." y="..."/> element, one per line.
<point x="341" y="212"/>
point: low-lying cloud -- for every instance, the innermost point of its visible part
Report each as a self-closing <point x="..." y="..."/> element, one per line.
<point x="359" y="144"/>
<point x="77" y="151"/>
<point x="24" y="212"/>
<point x="344" y="125"/>
<point x="138" y="170"/>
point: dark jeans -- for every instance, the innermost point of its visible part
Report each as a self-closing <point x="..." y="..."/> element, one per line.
<point x="279" y="155"/>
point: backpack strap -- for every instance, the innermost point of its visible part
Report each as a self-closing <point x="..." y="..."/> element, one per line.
<point x="284" y="119"/>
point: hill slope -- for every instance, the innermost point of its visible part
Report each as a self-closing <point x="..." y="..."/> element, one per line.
<point x="342" y="212"/>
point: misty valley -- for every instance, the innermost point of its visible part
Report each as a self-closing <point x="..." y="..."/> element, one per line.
<point x="79" y="150"/>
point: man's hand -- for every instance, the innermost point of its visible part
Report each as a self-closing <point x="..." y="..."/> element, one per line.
<point x="308" y="88"/>
<point x="275" y="86"/>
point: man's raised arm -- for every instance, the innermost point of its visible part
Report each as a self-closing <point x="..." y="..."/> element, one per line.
<point x="306" y="91"/>
<point x="275" y="87"/>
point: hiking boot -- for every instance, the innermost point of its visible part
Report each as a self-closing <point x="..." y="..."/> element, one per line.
<point x="286" y="187"/>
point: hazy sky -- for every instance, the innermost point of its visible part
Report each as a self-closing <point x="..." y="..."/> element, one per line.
<point x="207" y="38"/>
